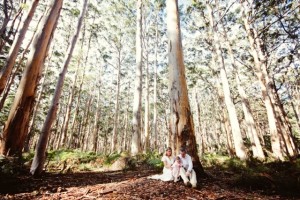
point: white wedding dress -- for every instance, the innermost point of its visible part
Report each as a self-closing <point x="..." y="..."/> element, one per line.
<point x="167" y="173"/>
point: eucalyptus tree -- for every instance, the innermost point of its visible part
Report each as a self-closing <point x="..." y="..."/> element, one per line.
<point x="278" y="132"/>
<point x="69" y="132"/>
<point x="96" y="128"/>
<point x="118" y="45"/>
<point x="157" y="9"/>
<point x="16" y="126"/>
<point x="206" y="70"/>
<point x="137" y="103"/>
<point x="11" y="58"/>
<point x="73" y="11"/>
<point x="149" y="36"/>
<point x="280" y="36"/>
<point x="181" y="119"/>
<point x="237" y="136"/>
<point x="250" y="123"/>
<point x="39" y="158"/>
<point x="146" y="52"/>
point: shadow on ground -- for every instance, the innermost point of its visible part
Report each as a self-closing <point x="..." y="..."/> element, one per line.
<point x="51" y="181"/>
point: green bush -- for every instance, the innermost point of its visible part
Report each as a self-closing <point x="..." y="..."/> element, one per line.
<point x="155" y="162"/>
<point x="109" y="159"/>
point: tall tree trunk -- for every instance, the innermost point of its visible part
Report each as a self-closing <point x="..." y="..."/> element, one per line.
<point x="285" y="124"/>
<point x="96" y="124"/>
<point x="225" y="121"/>
<point x="65" y="125"/>
<point x="53" y="136"/>
<point x="250" y="123"/>
<point x="31" y="129"/>
<point x="260" y="66"/>
<point x="76" y="112"/>
<point x="240" y="148"/>
<point x="137" y="103"/>
<point x="155" y="138"/>
<point x="85" y="120"/>
<point x="182" y="125"/>
<point x="97" y="115"/>
<point x="18" y="65"/>
<point x="16" y="126"/>
<point x="40" y="156"/>
<point x="198" y="132"/>
<point x="126" y="134"/>
<point x="147" y="107"/>
<point x="11" y="58"/>
<point x="227" y="129"/>
<point x="114" y="139"/>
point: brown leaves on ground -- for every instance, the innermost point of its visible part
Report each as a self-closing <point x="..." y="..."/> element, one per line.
<point x="119" y="185"/>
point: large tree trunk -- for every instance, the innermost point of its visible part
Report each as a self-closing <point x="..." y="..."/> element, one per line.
<point x="11" y="58"/>
<point x="40" y="156"/>
<point x="10" y="81"/>
<point x="31" y="129"/>
<point x="182" y="125"/>
<point x="137" y="103"/>
<point x="16" y="126"/>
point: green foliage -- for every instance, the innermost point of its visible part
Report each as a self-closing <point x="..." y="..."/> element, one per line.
<point x="109" y="159"/>
<point x="27" y="156"/>
<point x="10" y="166"/>
<point x="211" y="160"/>
<point x="153" y="159"/>
<point x="63" y="155"/>
<point x="255" y="174"/>
<point x="75" y="12"/>
<point x="150" y="159"/>
<point x="155" y="162"/>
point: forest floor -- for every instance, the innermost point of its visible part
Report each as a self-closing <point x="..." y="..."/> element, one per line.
<point x="73" y="174"/>
<point x="133" y="184"/>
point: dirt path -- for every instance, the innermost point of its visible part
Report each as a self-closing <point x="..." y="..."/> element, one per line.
<point x="119" y="185"/>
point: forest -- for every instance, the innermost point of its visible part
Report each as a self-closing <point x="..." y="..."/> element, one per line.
<point x="93" y="92"/>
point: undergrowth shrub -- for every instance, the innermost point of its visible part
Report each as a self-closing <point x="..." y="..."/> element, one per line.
<point x="109" y="159"/>
<point x="153" y="158"/>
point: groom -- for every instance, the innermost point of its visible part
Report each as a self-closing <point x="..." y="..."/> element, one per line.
<point x="186" y="171"/>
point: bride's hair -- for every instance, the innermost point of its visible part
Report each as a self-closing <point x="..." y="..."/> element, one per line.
<point x="168" y="149"/>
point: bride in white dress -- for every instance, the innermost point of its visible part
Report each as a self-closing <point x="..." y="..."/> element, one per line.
<point x="168" y="160"/>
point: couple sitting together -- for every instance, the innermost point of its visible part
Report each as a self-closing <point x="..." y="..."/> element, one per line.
<point x="174" y="168"/>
